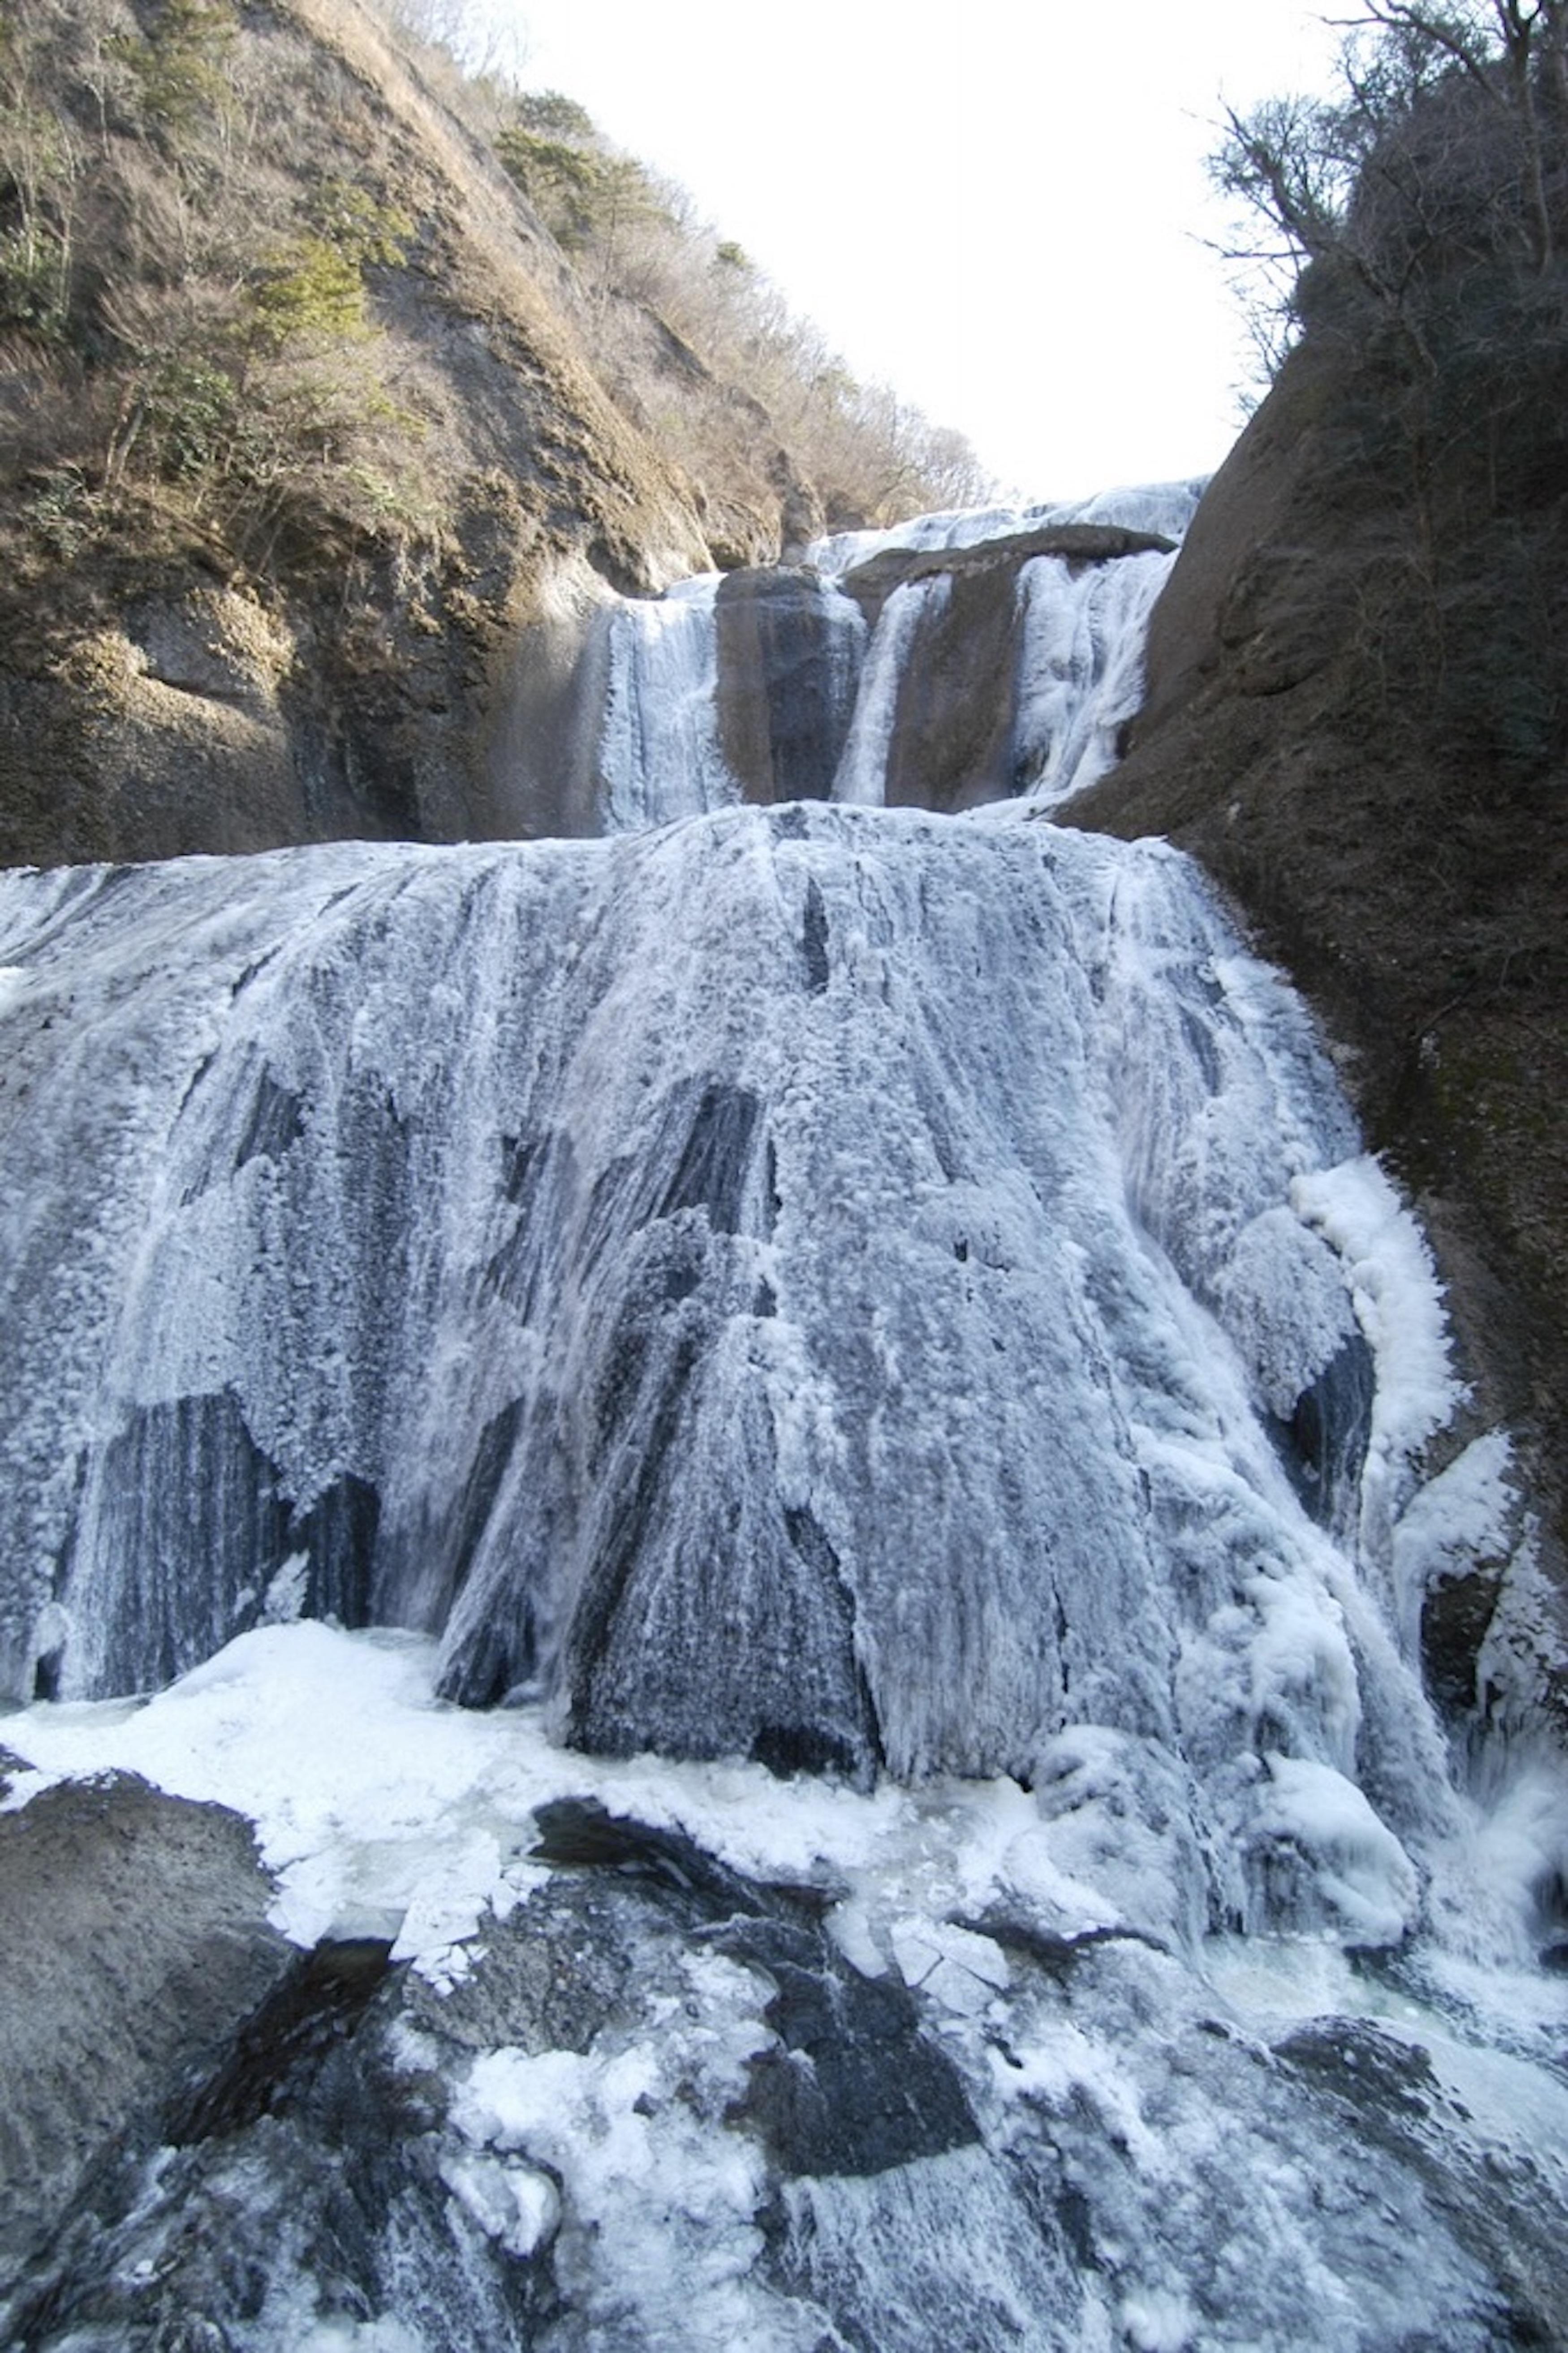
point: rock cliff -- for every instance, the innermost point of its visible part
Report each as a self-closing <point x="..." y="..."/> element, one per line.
<point x="266" y="555"/>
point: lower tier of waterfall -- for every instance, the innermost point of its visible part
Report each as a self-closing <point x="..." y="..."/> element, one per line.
<point x="823" y="1285"/>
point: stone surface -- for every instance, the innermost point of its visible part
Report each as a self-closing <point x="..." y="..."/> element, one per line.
<point x="663" y="2107"/>
<point x="873" y="582"/>
<point x="787" y="673"/>
<point x="133" y="1945"/>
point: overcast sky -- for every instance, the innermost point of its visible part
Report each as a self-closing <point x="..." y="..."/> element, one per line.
<point x="997" y="206"/>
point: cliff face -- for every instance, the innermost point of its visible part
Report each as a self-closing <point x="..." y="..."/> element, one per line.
<point x="298" y="433"/>
<point x="1327" y="726"/>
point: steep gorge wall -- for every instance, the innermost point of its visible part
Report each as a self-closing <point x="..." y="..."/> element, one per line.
<point x="186" y="669"/>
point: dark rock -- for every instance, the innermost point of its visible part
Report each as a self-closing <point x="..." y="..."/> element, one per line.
<point x="579" y="1833"/>
<point x="952" y="746"/>
<point x="184" y="1490"/>
<point x="1454" y="1616"/>
<point x="278" y="2052"/>
<point x="477" y="1499"/>
<point x="872" y="583"/>
<point x="854" y="2086"/>
<point x="716" y="1159"/>
<point x="276" y="1121"/>
<point x="542" y="730"/>
<point x="1387" y="2089"/>
<point x="1324" y="1442"/>
<point x="133" y="1945"/>
<point x="814" y="942"/>
<point x="338" y="1534"/>
<point x="788" y="665"/>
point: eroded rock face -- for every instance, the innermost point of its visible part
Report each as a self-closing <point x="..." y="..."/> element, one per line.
<point x="951" y="739"/>
<point x="246" y="669"/>
<point x="133" y="1945"/>
<point x="789" y="654"/>
<point x="958" y="670"/>
<point x="873" y="582"/>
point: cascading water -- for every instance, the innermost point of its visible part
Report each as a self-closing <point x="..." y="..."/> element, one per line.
<point x="817" y="1290"/>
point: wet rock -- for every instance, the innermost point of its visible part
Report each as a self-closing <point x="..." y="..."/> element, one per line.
<point x="1455" y="1617"/>
<point x="789" y="656"/>
<point x="853" y="2086"/>
<point x="952" y="741"/>
<point x="1492" y="2211"/>
<point x="184" y="1489"/>
<point x="133" y="1943"/>
<point x="317" y="2003"/>
<point x="1325" y="1440"/>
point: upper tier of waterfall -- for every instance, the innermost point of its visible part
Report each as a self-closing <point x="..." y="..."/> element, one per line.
<point x="960" y="660"/>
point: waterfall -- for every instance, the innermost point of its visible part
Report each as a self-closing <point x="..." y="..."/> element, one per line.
<point x="964" y="660"/>
<point x="852" y="1330"/>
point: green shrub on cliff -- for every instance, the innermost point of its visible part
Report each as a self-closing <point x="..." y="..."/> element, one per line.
<point x="183" y="320"/>
<point x="179" y="62"/>
<point x="314" y="284"/>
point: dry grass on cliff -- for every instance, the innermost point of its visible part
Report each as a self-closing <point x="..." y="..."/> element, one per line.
<point x="265" y="300"/>
<point x="696" y="344"/>
<point x="265" y="290"/>
<point x="183" y="331"/>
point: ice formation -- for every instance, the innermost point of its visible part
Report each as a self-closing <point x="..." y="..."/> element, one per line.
<point x="824" y="1289"/>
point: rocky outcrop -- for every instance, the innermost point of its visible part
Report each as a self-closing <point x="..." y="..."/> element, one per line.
<point x="133" y="1943"/>
<point x="314" y="647"/>
<point x="952" y="741"/>
<point x="872" y="583"/>
<point x="789" y="652"/>
<point x="664" y="2105"/>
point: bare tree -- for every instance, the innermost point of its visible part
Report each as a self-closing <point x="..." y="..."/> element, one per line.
<point x="1447" y="139"/>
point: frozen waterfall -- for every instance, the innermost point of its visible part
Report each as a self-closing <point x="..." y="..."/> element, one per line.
<point x="837" y="1279"/>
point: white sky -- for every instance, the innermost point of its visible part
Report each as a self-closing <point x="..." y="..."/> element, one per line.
<point x="997" y="206"/>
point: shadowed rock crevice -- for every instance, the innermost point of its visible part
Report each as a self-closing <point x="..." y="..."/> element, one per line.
<point x="789" y="650"/>
<point x="279" y="2052"/>
<point x="715" y="1166"/>
<point x="814" y="942"/>
<point x="1324" y="1442"/>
